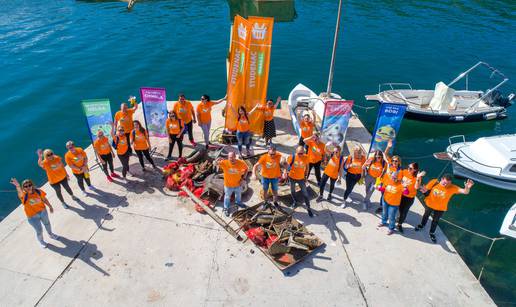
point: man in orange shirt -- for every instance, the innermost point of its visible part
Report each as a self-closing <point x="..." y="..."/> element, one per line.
<point x="234" y="172"/>
<point x="297" y="166"/>
<point x="105" y="154"/>
<point x="124" y="118"/>
<point x="77" y="160"/>
<point x="204" y="116"/>
<point x="271" y="171"/>
<point x="184" y="110"/>
<point x="315" y="152"/>
<point x="439" y="194"/>
<point x="332" y="171"/>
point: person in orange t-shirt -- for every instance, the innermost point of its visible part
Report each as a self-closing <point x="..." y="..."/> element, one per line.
<point x="105" y="153"/>
<point x="185" y="112"/>
<point x="373" y="169"/>
<point x="306" y="127"/>
<point x="411" y="180"/>
<point x="77" y="161"/>
<point x="121" y="145"/>
<point x="315" y="152"/>
<point x="204" y="116"/>
<point x="271" y="171"/>
<point x="439" y="194"/>
<point x="34" y="201"/>
<point x="391" y="201"/>
<point x="269" y="128"/>
<point x="175" y="128"/>
<point x="234" y="172"/>
<point x="353" y="163"/>
<point x="124" y="118"/>
<point x="297" y="166"/>
<point x="243" y="133"/>
<point x="331" y="172"/>
<point x="141" y="144"/>
<point x="56" y="173"/>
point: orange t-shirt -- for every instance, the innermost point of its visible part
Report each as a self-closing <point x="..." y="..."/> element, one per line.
<point x="233" y="172"/>
<point x="354" y="165"/>
<point x="298" y="168"/>
<point x="174" y="126"/>
<point x="125" y="120"/>
<point x="33" y="202"/>
<point x="270" y="165"/>
<point x="376" y="169"/>
<point x="393" y="192"/>
<point x="139" y="140"/>
<point x="315" y="151"/>
<point x="333" y="167"/>
<point x="439" y="195"/>
<point x="204" y="112"/>
<point x="243" y="124"/>
<point x="268" y="112"/>
<point x="410" y="180"/>
<point x="55" y="169"/>
<point x="184" y="111"/>
<point x="102" y="146"/>
<point x="307" y="129"/>
<point x="76" y="160"/>
<point x="390" y="170"/>
<point x="121" y="144"/>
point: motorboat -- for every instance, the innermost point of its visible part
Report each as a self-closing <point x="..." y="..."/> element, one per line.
<point x="445" y="104"/>
<point x="508" y="227"/>
<point x="489" y="160"/>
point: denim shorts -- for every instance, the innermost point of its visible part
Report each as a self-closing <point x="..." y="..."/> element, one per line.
<point x="272" y="182"/>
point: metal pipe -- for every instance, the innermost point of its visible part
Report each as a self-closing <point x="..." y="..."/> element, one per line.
<point x="335" y="39"/>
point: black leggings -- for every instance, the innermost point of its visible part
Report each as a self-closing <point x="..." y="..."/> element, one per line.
<point x="351" y="181"/>
<point x="405" y="204"/>
<point x="436" y="215"/>
<point x="129" y="149"/>
<point x="146" y="153"/>
<point x="107" y="159"/>
<point x="57" y="187"/>
<point x="173" y="138"/>
<point x="317" y="167"/>
<point x="324" y="180"/>
<point x="189" y="129"/>
<point x="80" y="180"/>
<point x="124" y="159"/>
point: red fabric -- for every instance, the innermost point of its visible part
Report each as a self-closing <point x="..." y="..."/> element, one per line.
<point x="257" y="235"/>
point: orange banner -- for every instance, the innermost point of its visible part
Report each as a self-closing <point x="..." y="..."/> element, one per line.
<point x="240" y="42"/>
<point x="257" y="71"/>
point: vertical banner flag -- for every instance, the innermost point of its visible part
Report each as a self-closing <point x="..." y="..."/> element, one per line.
<point x="240" y="41"/>
<point x="257" y="71"/>
<point x="387" y="125"/>
<point x="336" y="119"/>
<point x="98" y="116"/>
<point x="154" y="101"/>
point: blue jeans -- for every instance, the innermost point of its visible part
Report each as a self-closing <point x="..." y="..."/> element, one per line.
<point x="206" y="132"/>
<point x="272" y="182"/>
<point x="243" y="138"/>
<point x="36" y="221"/>
<point x="389" y="212"/>
<point x="227" y="196"/>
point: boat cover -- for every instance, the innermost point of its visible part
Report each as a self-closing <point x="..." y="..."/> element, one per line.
<point x="443" y="97"/>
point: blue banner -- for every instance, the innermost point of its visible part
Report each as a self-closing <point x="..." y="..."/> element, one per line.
<point x="387" y="125"/>
<point x="98" y="116"/>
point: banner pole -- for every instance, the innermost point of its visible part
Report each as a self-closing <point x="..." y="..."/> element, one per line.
<point x="145" y="118"/>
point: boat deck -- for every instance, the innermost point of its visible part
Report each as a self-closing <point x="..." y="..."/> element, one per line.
<point x="135" y="244"/>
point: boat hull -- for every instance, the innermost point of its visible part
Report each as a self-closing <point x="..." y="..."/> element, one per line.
<point x="452" y="118"/>
<point x="463" y="172"/>
<point x="508" y="227"/>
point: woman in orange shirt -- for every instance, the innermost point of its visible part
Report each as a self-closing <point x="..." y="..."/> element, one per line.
<point x="315" y="150"/>
<point x="204" y="116"/>
<point x="122" y="148"/>
<point x="56" y="173"/>
<point x="269" y="128"/>
<point x="243" y="133"/>
<point x="391" y="201"/>
<point x="353" y="166"/>
<point x="175" y="128"/>
<point x="332" y="172"/>
<point x="34" y="201"/>
<point x="105" y="154"/>
<point x="373" y="169"/>
<point x="141" y="144"/>
<point x="411" y="180"/>
<point x="306" y="127"/>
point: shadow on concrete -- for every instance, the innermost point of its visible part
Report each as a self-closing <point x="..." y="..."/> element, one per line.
<point x="82" y="250"/>
<point x="109" y="199"/>
<point x="308" y="262"/>
<point x="95" y="213"/>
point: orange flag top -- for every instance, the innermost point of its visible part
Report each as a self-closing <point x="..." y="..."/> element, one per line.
<point x="257" y="71"/>
<point x="240" y="42"/>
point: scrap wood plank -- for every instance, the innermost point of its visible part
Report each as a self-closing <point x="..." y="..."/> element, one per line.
<point x="212" y="214"/>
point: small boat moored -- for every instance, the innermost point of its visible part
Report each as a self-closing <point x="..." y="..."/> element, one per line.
<point x="508" y="227"/>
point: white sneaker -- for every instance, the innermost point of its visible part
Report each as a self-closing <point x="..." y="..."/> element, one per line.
<point x="92" y="188"/>
<point x="349" y="200"/>
<point x="53" y="236"/>
<point x="343" y="205"/>
<point x="43" y="244"/>
<point x="84" y="193"/>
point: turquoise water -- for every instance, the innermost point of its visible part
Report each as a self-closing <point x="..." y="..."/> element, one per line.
<point x="55" y="53"/>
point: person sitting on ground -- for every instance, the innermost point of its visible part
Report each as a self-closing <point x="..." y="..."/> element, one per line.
<point x="175" y="129"/>
<point x="56" y="173"/>
<point x="271" y="171"/>
<point x="122" y="148"/>
<point x="306" y="127"/>
<point x="391" y="201"/>
<point x="77" y="161"/>
<point x="204" y="116"/>
<point x="141" y="144"/>
<point x="315" y="152"/>
<point x="34" y="201"/>
<point x="269" y="128"/>
<point x="411" y="180"/>
<point x="331" y="171"/>
<point x="373" y="169"/>
<point x="105" y="153"/>
<point x="439" y="194"/>
<point x="297" y="167"/>
<point x="124" y="118"/>
<point x="185" y="112"/>
<point x="235" y="171"/>
<point x="353" y="164"/>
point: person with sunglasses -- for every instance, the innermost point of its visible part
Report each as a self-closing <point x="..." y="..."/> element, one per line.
<point x="373" y="169"/>
<point x="353" y="165"/>
<point x="124" y="118"/>
<point x="34" y="203"/>
<point x="77" y="161"/>
<point x="315" y="151"/>
<point x="390" y="201"/>
<point x="393" y="167"/>
<point x="175" y="129"/>
<point x="184" y="110"/>
<point x="296" y="167"/>
<point x="332" y="171"/>
<point x="122" y="148"/>
<point x="270" y="164"/>
<point x="204" y="116"/>
<point x="56" y="173"/>
<point x="141" y="144"/>
<point x="105" y="154"/>
<point x="411" y="180"/>
<point x="306" y="127"/>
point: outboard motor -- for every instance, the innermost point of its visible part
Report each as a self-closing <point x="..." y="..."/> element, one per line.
<point x="495" y="98"/>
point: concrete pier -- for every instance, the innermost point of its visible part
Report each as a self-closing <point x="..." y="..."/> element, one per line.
<point x="134" y="243"/>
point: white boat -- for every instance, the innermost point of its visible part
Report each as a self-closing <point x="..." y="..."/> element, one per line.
<point x="508" y="227"/>
<point x="489" y="160"/>
<point x="445" y="104"/>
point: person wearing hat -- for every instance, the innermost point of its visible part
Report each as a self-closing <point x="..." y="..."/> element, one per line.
<point x="271" y="172"/>
<point x="77" y="161"/>
<point x="124" y="118"/>
<point x="34" y="203"/>
<point x="56" y="173"/>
